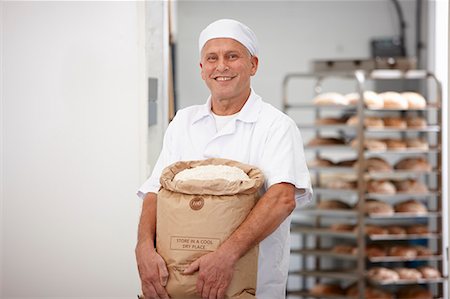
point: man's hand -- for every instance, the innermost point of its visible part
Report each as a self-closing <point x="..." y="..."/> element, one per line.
<point x="215" y="273"/>
<point x="153" y="272"/>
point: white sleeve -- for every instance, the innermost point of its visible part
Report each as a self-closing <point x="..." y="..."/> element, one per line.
<point x="284" y="159"/>
<point x="165" y="159"/>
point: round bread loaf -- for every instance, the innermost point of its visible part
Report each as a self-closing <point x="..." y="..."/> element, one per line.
<point x="402" y="251"/>
<point x="408" y="273"/>
<point x="378" y="207"/>
<point x="382" y="274"/>
<point x="417" y="229"/>
<point x="381" y="186"/>
<point x="318" y="141"/>
<point x="333" y="204"/>
<point x="371" y="99"/>
<point x="393" y="100"/>
<point x="396" y="230"/>
<point x="377" y="164"/>
<point x="370" y="293"/>
<point x="417" y="143"/>
<point x="394" y="122"/>
<point x="344" y="249"/>
<point x="416" y="122"/>
<point x="327" y="289"/>
<point x="371" y="229"/>
<point x="320" y="162"/>
<point x="370" y="144"/>
<point x="346" y="163"/>
<point x="423" y="251"/>
<point x="395" y="144"/>
<point x="342" y="227"/>
<point x="369" y="121"/>
<point x="411" y="206"/>
<point x="340" y="184"/>
<point x="329" y="121"/>
<point x="330" y="98"/>
<point x="414" y="163"/>
<point x="430" y="272"/>
<point x="411" y="186"/>
<point x="414" y="292"/>
<point x="375" y="251"/>
<point x="415" y="100"/>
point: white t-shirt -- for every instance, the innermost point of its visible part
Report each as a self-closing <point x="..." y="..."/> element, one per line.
<point x="222" y="120"/>
<point x="259" y="135"/>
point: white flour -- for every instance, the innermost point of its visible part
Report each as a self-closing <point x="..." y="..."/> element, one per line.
<point x="211" y="172"/>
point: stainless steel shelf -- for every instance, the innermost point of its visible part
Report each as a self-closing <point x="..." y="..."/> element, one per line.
<point x="398" y="130"/>
<point x="327" y="127"/>
<point x="325" y="253"/>
<point x="343" y="147"/>
<point x="307" y="294"/>
<point x="324" y="107"/>
<point x="406" y="282"/>
<point x="394" y="259"/>
<point x="400" y="196"/>
<point x="335" y="274"/>
<point x="386" y="237"/>
<point x="408" y="151"/>
<point x="331" y="212"/>
<point x="405" y="215"/>
<point x="333" y="169"/>
<point x="323" y="232"/>
<point x="349" y="192"/>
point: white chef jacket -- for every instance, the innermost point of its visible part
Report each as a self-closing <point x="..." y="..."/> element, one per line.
<point x="259" y="135"/>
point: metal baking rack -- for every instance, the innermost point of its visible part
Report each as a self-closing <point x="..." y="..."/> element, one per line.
<point x="314" y="249"/>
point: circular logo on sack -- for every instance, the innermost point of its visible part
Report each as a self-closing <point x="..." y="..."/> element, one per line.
<point x="196" y="203"/>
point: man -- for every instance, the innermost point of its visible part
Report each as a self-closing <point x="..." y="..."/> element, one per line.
<point x="234" y="124"/>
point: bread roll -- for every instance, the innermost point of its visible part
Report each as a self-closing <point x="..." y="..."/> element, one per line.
<point x="408" y="273"/>
<point x="333" y="204"/>
<point x="377" y="164"/>
<point x="395" y="144"/>
<point x="402" y="251"/>
<point x="382" y="274"/>
<point x="329" y="121"/>
<point x="345" y="249"/>
<point x="346" y="163"/>
<point x="394" y="122"/>
<point x="414" y="292"/>
<point x="330" y="98"/>
<point x="375" y="230"/>
<point x="396" y="230"/>
<point x="320" y="162"/>
<point x="340" y="184"/>
<point x="370" y="292"/>
<point x="375" y="251"/>
<point x="318" y="141"/>
<point x="393" y="100"/>
<point x="416" y="164"/>
<point x="417" y="229"/>
<point x="415" y="100"/>
<point x="371" y="144"/>
<point x="417" y="143"/>
<point x="429" y="272"/>
<point x="327" y="289"/>
<point x="381" y="186"/>
<point x="369" y="121"/>
<point x="377" y="207"/>
<point x="411" y="186"/>
<point x="411" y="206"/>
<point x="416" y="122"/>
<point x="423" y="251"/>
<point x="342" y="227"/>
<point x="371" y="99"/>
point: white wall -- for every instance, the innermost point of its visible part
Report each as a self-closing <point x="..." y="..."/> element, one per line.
<point x="73" y="147"/>
<point x="290" y="33"/>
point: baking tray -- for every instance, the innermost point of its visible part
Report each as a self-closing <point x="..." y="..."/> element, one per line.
<point x="393" y="130"/>
<point x="307" y="294"/>
<point x="405" y="215"/>
<point x="393" y="259"/>
<point x="386" y="237"/>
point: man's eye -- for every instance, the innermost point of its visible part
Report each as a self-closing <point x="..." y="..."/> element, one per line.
<point x="211" y="58"/>
<point x="232" y="56"/>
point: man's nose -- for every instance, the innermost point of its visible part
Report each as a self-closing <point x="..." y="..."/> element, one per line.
<point x="221" y="65"/>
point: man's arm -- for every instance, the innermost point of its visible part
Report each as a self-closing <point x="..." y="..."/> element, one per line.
<point x="151" y="266"/>
<point x="216" y="268"/>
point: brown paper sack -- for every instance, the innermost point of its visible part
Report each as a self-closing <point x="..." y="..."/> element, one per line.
<point x="194" y="217"/>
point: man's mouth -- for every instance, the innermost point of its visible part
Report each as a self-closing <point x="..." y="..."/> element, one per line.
<point x="223" y="78"/>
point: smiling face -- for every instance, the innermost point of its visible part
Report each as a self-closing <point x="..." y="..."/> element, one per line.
<point x="226" y="69"/>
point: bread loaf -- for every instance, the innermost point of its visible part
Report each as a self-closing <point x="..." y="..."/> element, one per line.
<point x="395" y="144"/>
<point x="377" y="207"/>
<point x="319" y="141"/>
<point x="344" y="249"/>
<point x="416" y="122"/>
<point x="417" y="144"/>
<point x="423" y="251"/>
<point x="333" y="204"/>
<point x="371" y="99"/>
<point x="377" y="164"/>
<point x="369" y="121"/>
<point x="381" y="186"/>
<point x="430" y="272"/>
<point x="415" y="163"/>
<point x="411" y="206"/>
<point x="417" y="229"/>
<point x="340" y="184"/>
<point x="402" y="251"/>
<point x="394" y="122"/>
<point x="411" y="186"/>
<point x="375" y="251"/>
<point x="394" y="100"/>
<point x="396" y="230"/>
<point x="330" y="121"/>
<point x="342" y="227"/>
<point x="371" y="229"/>
<point x="370" y="293"/>
<point x="320" y="162"/>
<point x="327" y="289"/>
<point x="414" y="292"/>
<point x="382" y="274"/>
<point x="415" y="100"/>
<point x="330" y="98"/>
<point x="408" y="273"/>
<point x="371" y="144"/>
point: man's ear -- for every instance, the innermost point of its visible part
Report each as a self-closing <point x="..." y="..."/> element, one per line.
<point x="201" y="71"/>
<point x="254" y="61"/>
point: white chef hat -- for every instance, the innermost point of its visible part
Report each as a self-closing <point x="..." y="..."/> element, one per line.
<point x="227" y="28"/>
